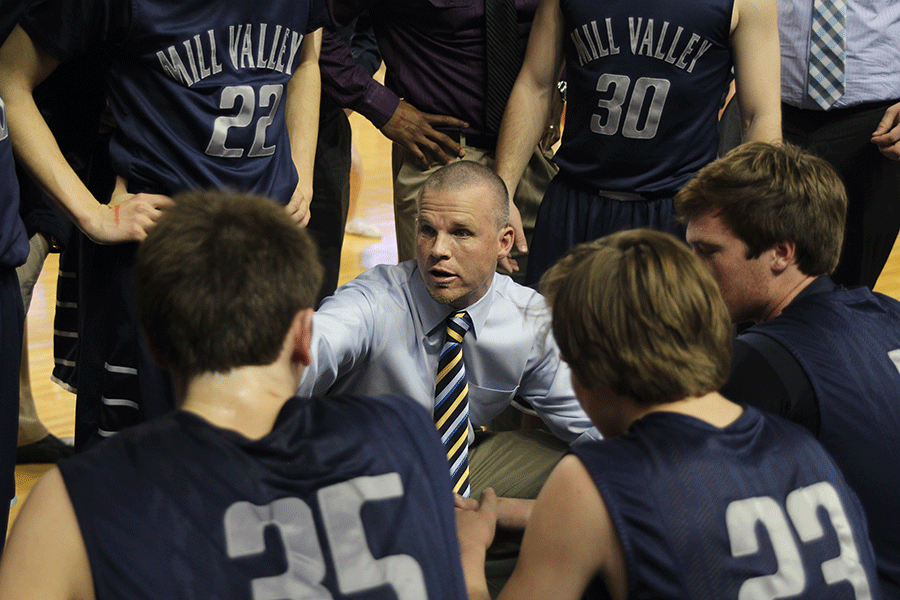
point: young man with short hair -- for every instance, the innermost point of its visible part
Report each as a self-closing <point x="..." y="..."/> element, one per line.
<point x="768" y="220"/>
<point x="245" y="492"/>
<point x="691" y="495"/>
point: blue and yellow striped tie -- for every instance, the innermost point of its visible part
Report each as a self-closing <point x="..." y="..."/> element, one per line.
<point x="451" y="407"/>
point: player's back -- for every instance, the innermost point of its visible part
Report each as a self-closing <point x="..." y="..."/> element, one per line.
<point x="346" y="496"/>
<point x="848" y="344"/>
<point x="755" y="510"/>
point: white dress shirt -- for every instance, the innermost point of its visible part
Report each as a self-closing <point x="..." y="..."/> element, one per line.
<point x="872" y="70"/>
<point x="382" y="333"/>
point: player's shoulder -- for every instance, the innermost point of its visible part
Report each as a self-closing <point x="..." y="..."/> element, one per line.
<point x="367" y="412"/>
<point x="392" y="424"/>
<point x="152" y="438"/>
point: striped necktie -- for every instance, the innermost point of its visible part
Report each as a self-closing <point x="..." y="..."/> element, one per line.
<point x="826" y="52"/>
<point x="451" y="406"/>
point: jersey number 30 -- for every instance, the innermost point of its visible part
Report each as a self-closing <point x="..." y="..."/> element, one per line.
<point x="646" y="88"/>
<point x="340" y="505"/>
<point x="803" y="504"/>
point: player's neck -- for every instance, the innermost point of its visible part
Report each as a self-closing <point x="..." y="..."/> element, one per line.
<point x="788" y="287"/>
<point x="712" y="408"/>
<point x="246" y="400"/>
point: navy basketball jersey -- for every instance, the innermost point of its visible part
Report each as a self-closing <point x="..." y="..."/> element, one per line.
<point x="848" y="343"/>
<point x="755" y="510"/>
<point x="13" y="239"/>
<point x="197" y="87"/>
<point x="645" y="82"/>
<point x="347" y="497"/>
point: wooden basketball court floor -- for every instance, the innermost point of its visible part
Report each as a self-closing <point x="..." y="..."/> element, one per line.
<point x="56" y="406"/>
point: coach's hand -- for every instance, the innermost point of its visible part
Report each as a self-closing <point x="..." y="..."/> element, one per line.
<point x="887" y="134"/>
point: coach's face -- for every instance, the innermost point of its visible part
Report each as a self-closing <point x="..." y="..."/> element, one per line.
<point x="458" y="243"/>
<point x="745" y="283"/>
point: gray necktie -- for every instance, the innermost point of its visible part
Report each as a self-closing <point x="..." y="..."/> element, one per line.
<point x="827" y="52"/>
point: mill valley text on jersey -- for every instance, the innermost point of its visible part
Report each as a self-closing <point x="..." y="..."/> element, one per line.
<point x="249" y="47"/>
<point x="661" y="40"/>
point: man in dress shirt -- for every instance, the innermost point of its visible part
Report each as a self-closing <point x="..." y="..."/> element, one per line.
<point x="383" y="331"/>
<point x="433" y="102"/>
<point x="820" y="355"/>
<point x="859" y="132"/>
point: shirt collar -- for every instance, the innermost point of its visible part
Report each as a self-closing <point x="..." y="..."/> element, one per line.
<point x="432" y="315"/>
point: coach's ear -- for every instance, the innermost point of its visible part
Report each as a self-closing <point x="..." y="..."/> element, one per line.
<point x="301" y="336"/>
<point x="506" y="237"/>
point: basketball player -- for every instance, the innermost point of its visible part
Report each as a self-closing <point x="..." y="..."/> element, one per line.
<point x="645" y="81"/>
<point x="245" y="492"/>
<point x="691" y="495"/>
<point x="204" y="95"/>
<point x="13" y="252"/>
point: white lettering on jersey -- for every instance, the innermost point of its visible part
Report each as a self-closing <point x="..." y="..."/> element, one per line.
<point x="803" y="506"/>
<point x="663" y="42"/>
<point x="249" y="47"/>
<point x="340" y="505"/>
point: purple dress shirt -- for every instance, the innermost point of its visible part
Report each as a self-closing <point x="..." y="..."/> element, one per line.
<point x="433" y="52"/>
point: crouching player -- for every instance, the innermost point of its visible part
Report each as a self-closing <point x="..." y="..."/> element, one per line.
<point x="691" y="495"/>
<point x="246" y="492"/>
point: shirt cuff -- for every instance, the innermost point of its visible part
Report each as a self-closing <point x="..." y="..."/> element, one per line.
<point x="380" y="104"/>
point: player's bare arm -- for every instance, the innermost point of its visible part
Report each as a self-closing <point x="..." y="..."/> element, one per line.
<point x="46" y="538"/>
<point x="525" y="118"/>
<point x="757" y="66"/>
<point x="302" y="118"/>
<point x="23" y="66"/>
<point x="569" y="540"/>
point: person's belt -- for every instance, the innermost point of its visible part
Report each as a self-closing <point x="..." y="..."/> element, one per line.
<point x="482" y="141"/>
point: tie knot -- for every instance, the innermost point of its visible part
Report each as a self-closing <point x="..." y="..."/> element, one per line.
<point x="458" y="324"/>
